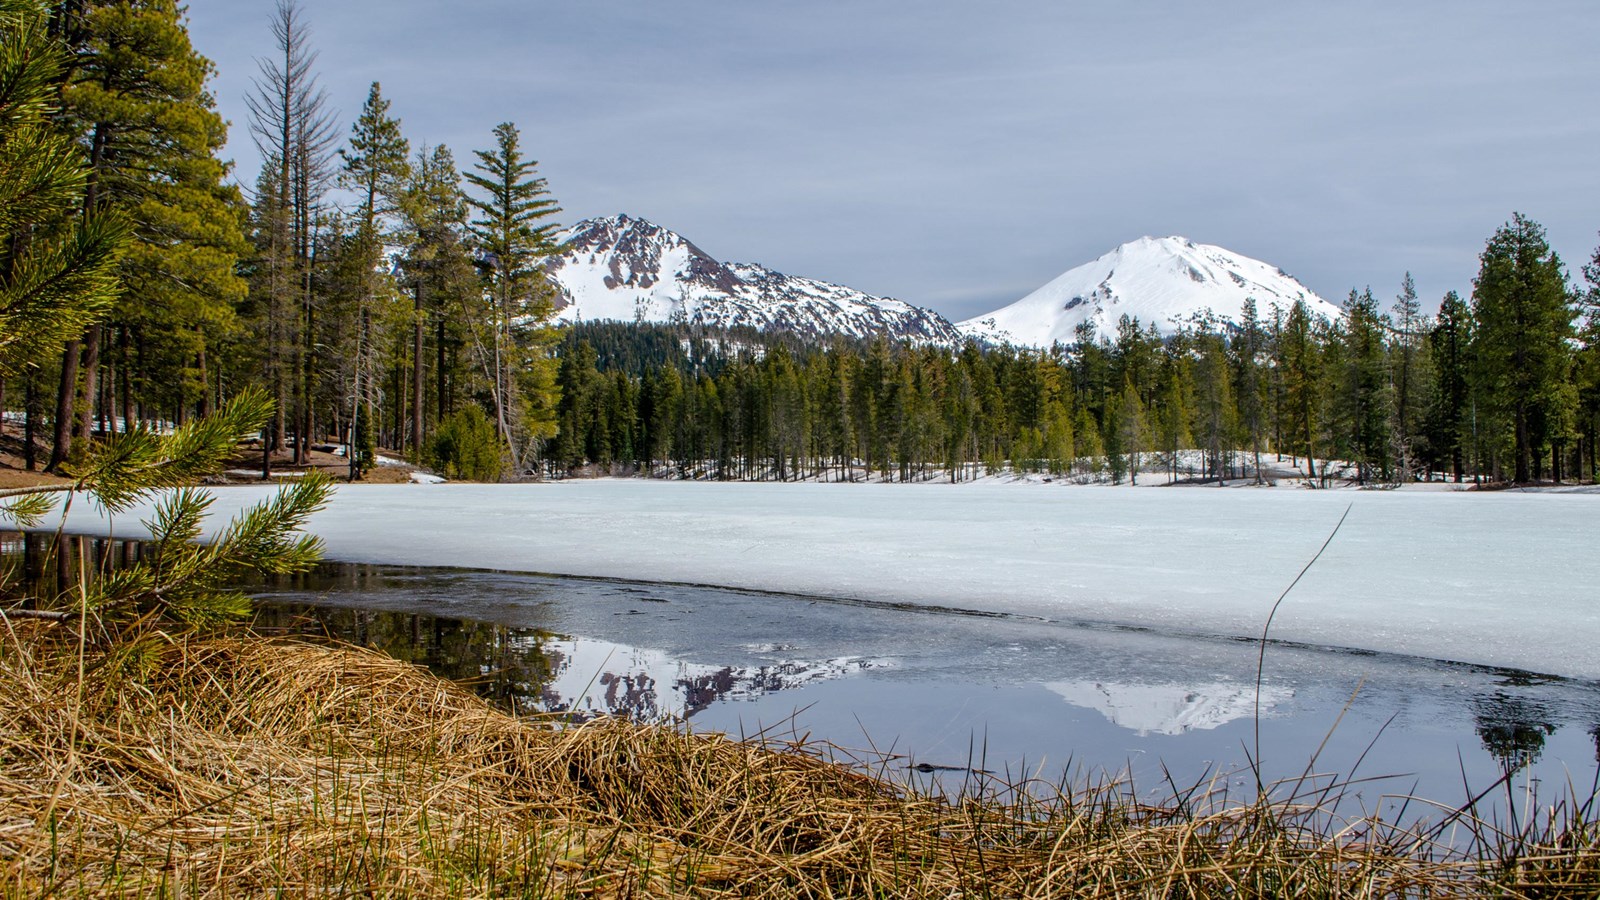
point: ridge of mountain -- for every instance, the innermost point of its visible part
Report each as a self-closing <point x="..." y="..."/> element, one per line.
<point x="625" y="268"/>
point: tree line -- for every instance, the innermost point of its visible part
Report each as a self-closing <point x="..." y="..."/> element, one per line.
<point x="384" y="295"/>
<point x="373" y="290"/>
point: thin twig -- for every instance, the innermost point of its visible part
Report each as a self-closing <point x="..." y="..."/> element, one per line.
<point x="1261" y="659"/>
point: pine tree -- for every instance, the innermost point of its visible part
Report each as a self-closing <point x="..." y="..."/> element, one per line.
<point x="136" y="101"/>
<point x="1364" y="393"/>
<point x="1450" y="423"/>
<point x="513" y="237"/>
<point x="57" y="268"/>
<point x="1301" y="365"/>
<point x="293" y="130"/>
<point x="1133" y="427"/>
<point x="375" y="169"/>
<point x="438" y="272"/>
<point x="1215" y="411"/>
<point x="1410" y="375"/>
<point x="1586" y="372"/>
<point x="1248" y="347"/>
<point x="60" y="270"/>
<point x="1172" y="416"/>
<point x="1523" y="325"/>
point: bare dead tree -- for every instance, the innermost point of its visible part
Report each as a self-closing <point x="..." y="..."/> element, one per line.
<point x="293" y="129"/>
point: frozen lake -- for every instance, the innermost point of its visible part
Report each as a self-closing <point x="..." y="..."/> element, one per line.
<point x="1058" y="630"/>
<point x="1494" y="579"/>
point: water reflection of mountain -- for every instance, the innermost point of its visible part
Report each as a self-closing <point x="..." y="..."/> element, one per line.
<point x="532" y="670"/>
<point x="1170" y="708"/>
<point x="601" y="678"/>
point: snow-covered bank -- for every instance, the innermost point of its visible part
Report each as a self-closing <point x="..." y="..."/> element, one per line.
<point x="1500" y="579"/>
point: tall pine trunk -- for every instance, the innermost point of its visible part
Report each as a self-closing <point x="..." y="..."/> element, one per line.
<point x="62" y="444"/>
<point x="125" y="376"/>
<point x="88" y="391"/>
<point x="416" y="381"/>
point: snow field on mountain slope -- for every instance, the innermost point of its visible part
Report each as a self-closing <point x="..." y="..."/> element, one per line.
<point x="1503" y="579"/>
<point x="592" y="299"/>
<point x="1161" y="281"/>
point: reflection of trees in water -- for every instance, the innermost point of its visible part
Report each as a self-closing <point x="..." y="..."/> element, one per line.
<point x="638" y="695"/>
<point x="35" y="565"/>
<point x="503" y="665"/>
<point x="1512" y="729"/>
<point x="514" y="668"/>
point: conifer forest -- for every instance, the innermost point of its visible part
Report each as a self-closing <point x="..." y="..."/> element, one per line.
<point x="385" y="291"/>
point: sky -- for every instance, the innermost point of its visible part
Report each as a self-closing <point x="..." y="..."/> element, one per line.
<point x="960" y="155"/>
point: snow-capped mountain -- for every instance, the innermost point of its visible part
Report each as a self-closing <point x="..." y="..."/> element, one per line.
<point x="627" y="269"/>
<point x="1169" y="282"/>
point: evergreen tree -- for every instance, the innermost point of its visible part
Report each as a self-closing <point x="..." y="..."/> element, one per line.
<point x="1249" y="346"/>
<point x="1364" y="408"/>
<point x="1215" y="411"/>
<point x="1450" y="423"/>
<point x="438" y="271"/>
<point x="1173" y="415"/>
<point x="1586" y="373"/>
<point x="1523" y="326"/>
<point x="375" y="169"/>
<point x="294" y="132"/>
<point x="1409" y="396"/>
<point x="58" y="270"/>
<point x="1301" y="366"/>
<point x="1133" y="428"/>
<point x="136" y="101"/>
<point x="513" y="237"/>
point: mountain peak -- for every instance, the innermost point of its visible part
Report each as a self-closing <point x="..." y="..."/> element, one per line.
<point x="625" y="268"/>
<point x="1169" y="282"/>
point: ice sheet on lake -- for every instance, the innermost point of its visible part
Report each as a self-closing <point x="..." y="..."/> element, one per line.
<point x="1505" y="579"/>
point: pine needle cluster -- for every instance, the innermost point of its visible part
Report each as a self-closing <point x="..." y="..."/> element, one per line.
<point x="181" y="582"/>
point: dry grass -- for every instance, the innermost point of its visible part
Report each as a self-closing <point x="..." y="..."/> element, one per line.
<point x="248" y="767"/>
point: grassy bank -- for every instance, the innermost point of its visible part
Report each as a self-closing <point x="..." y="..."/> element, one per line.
<point x="243" y="766"/>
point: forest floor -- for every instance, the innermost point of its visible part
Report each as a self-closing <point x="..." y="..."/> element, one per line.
<point x="244" y="468"/>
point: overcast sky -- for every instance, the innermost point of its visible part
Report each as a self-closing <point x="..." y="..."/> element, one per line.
<point x="958" y="155"/>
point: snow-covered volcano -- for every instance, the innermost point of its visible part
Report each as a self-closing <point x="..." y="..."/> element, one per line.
<point x="627" y="269"/>
<point x="1169" y="282"/>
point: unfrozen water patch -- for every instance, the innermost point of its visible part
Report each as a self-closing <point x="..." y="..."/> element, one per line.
<point x="945" y="689"/>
